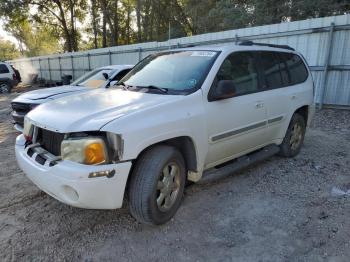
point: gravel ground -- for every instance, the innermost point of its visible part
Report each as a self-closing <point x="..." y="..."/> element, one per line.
<point x="279" y="210"/>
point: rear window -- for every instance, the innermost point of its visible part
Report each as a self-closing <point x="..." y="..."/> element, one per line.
<point x="4" y="69"/>
<point x="296" y="67"/>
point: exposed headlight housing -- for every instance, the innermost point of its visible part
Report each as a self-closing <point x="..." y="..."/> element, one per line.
<point x="116" y="144"/>
<point x="89" y="151"/>
<point x="28" y="129"/>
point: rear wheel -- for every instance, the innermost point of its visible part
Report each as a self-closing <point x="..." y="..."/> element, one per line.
<point x="5" y="88"/>
<point x="157" y="185"/>
<point x="294" y="138"/>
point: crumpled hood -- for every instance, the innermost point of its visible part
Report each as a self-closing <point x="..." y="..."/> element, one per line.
<point x="92" y="110"/>
<point x="47" y="93"/>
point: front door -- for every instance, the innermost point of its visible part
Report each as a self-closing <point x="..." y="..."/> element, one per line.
<point x="236" y="125"/>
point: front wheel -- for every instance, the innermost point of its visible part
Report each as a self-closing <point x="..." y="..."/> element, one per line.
<point x="157" y="185"/>
<point x="294" y="138"/>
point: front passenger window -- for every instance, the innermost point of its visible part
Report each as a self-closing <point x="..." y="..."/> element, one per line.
<point x="239" y="68"/>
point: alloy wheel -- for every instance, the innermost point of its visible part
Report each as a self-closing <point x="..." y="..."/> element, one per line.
<point x="168" y="187"/>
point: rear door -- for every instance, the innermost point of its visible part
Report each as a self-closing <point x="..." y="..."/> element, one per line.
<point x="277" y="100"/>
<point x="283" y="74"/>
<point x="238" y="124"/>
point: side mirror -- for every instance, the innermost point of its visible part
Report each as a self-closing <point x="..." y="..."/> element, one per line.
<point x="224" y="89"/>
<point x="105" y="75"/>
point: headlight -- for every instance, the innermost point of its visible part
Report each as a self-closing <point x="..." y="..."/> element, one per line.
<point x="89" y="151"/>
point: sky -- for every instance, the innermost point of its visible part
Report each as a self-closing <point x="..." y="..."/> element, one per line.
<point x="5" y="35"/>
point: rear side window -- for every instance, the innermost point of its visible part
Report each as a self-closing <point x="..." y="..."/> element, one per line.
<point x="296" y="67"/>
<point x="270" y="65"/>
<point x="240" y="68"/>
<point x="4" y="69"/>
<point x="282" y="69"/>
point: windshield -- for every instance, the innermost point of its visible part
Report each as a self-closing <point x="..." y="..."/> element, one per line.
<point x="177" y="72"/>
<point x="93" y="79"/>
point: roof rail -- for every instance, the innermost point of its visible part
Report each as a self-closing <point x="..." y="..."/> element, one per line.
<point x="250" y="43"/>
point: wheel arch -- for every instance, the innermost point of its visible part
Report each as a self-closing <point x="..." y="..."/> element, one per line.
<point x="185" y="145"/>
<point x="304" y="112"/>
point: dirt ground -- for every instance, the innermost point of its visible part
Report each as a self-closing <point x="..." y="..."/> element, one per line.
<point x="281" y="210"/>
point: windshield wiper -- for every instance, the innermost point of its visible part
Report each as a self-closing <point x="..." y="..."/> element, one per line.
<point x="162" y="89"/>
<point x="127" y="87"/>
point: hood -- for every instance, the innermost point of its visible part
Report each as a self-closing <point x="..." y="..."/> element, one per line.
<point x="92" y="110"/>
<point x="48" y="93"/>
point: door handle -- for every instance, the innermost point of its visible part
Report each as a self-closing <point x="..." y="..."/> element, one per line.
<point x="293" y="97"/>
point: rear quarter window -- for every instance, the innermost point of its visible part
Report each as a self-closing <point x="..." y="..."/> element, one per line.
<point x="296" y="67"/>
<point x="4" y="69"/>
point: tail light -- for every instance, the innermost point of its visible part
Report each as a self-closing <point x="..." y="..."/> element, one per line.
<point x="14" y="77"/>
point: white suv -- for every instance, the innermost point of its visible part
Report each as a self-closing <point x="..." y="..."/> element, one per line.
<point x="8" y="78"/>
<point x="176" y="116"/>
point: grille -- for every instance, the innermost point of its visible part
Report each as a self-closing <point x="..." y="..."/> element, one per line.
<point x="51" y="141"/>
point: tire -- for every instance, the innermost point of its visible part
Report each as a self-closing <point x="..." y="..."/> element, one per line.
<point x="5" y="88"/>
<point x="294" y="138"/>
<point x="157" y="185"/>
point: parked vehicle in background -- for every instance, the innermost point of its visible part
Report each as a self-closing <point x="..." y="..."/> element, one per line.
<point x="9" y="77"/>
<point x="178" y="115"/>
<point x="99" y="78"/>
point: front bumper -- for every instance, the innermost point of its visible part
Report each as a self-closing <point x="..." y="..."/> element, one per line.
<point x="68" y="182"/>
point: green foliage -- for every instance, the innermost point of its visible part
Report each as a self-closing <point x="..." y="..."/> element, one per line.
<point x="44" y="27"/>
<point x="34" y="38"/>
<point x="8" y="51"/>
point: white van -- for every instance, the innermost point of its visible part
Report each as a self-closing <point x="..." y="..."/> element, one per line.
<point x="175" y="116"/>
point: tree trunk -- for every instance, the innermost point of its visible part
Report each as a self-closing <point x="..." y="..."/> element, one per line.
<point x="66" y="33"/>
<point x="73" y="31"/>
<point x="138" y="19"/>
<point x="104" y="23"/>
<point x="94" y="21"/>
<point x="116" y="25"/>
<point x="128" y="24"/>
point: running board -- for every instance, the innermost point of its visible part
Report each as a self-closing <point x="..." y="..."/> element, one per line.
<point x="231" y="167"/>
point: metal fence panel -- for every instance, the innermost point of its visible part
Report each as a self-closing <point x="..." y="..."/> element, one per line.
<point x="317" y="39"/>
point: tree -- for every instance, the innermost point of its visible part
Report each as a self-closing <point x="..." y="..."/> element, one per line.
<point x="43" y="26"/>
<point x="64" y="14"/>
<point x="33" y="37"/>
<point x="8" y="50"/>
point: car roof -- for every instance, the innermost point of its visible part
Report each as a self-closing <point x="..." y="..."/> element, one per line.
<point x="116" y="67"/>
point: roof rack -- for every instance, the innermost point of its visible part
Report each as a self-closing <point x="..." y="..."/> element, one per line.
<point x="250" y="43"/>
